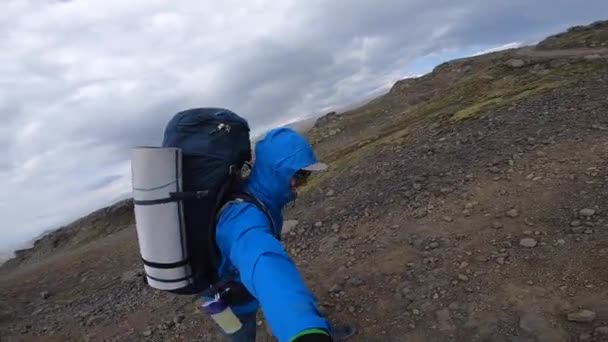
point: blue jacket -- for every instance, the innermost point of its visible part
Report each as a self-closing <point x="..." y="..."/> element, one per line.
<point x="248" y="245"/>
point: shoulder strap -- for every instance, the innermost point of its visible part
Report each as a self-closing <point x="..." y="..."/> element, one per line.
<point x="247" y="197"/>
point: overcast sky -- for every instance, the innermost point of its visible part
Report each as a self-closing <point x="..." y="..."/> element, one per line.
<point x="83" y="81"/>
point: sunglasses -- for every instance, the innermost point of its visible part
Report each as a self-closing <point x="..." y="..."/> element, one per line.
<point x="302" y="176"/>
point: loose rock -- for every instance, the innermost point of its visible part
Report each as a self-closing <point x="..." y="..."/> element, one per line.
<point x="536" y="325"/>
<point x="497" y="225"/>
<point x="447" y="219"/>
<point x="583" y="316"/>
<point x="513" y="213"/>
<point x="289" y="225"/>
<point x="45" y="294"/>
<point x="587" y="212"/>
<point x="179" y="319"/>
<point x="515" y="63"/>
<point x="528" y="242"/>
<point x="328" y="243"/>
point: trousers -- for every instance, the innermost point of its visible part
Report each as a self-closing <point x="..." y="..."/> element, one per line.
<point x="247" y="333"/>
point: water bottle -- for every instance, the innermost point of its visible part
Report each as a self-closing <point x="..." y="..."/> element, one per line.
<point x="221" y="313"/>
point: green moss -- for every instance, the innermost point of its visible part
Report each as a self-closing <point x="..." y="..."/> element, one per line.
<point x="488" y="87"/>
<point x="578" y="39"/>
<point x="508" y="96"/>
<point x="473" y="110"/>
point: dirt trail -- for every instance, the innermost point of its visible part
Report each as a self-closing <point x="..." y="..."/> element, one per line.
<point x="561" y="53"/>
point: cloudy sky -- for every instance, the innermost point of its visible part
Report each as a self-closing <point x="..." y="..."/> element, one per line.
<point x="83" y="81"/>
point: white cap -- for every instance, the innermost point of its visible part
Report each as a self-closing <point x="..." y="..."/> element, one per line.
<point x="316" y="167"/>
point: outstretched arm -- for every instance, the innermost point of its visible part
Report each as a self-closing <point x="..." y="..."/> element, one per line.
<point x="271" y="276"/>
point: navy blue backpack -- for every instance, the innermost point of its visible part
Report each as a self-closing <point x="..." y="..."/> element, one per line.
<point x="215" y="144"/>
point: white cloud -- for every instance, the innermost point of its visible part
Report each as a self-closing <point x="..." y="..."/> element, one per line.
<point x="83" y="81"/>
<point x="507" y="46"/>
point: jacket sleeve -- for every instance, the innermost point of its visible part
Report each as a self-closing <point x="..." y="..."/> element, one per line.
<point x="268" y="272"/>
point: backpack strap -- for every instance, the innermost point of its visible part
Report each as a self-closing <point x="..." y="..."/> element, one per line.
<point x="247" y="197"/>
<point x="235" y="293"/>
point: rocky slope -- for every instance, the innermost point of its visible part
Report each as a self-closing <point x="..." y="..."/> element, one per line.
<point x="466" y="205"/>
<point x="98" y="224"/>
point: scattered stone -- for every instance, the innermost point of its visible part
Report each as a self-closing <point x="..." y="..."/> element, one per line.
<point x="147" y="332"/>
<point x="289" y="225"/>
<point x="318" y="224"/>
<point x="587" y="212"/>
<point x="494" y="170"/>
<point x="515" y="63"/>
<point x="577" y="230"/>
<point x="593" y="57"/>
<point x="463" y="277"/>
<point x="584" y="337"/>
<point x="528" y="232"/>
<point x="583" y="316"/>
<point x="434" y="245"/>
<point x="470" y="205"/>
<point x="330" y="193"/>
<point x="513" y="213"/>
<point x="601" y="331"/>
<point x="575" y="223"/>
<point x="588" y="231"/>
<point x="536" y="325"/>
<point x="335" y="227"/>
<point x="464" y="264"/>
<point x="561" y="242"/>
<point x="351" y="309"/>
<point x="179" y="319"/>
<point x="447" y="218"/>
<point x="528" y="242"/>
<point x="497" y="225"/>
<point x="354" y="281"/>
<point x="328" y="243"/>
<point x="530" y="282"/>
<point x="45" y="294"/>
<point x="167" y="325"/>
<point x="466" y="212"/>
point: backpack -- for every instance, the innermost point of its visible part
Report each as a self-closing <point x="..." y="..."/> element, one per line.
<point x="203" y="153"/>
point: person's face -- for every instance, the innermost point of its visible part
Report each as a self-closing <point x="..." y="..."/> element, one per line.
<point x="300" y="179"/>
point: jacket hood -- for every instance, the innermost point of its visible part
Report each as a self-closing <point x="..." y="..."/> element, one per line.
<point x="278" y="156"/>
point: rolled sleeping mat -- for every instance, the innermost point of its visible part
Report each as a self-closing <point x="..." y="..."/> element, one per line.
<point x="159" y="219"/>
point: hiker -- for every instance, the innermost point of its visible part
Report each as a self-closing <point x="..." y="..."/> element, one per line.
<point x="205" y="231"/>
<point x="283" y="162"/>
